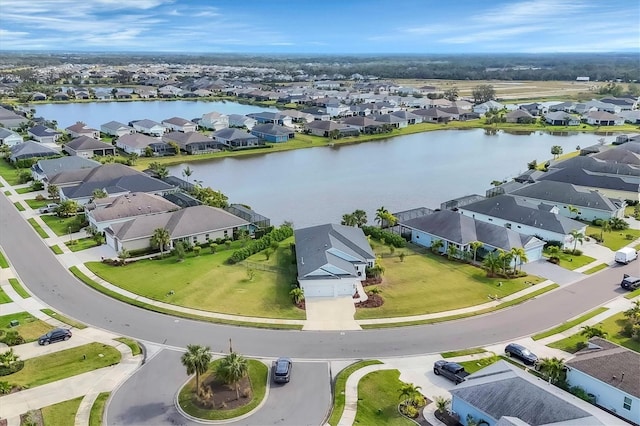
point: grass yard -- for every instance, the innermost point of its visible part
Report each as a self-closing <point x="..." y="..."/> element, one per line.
<point x="569" y="324"/>
<point x="426" y="283"/>
<point x="63" y="413"/>
<point x="463" y="352"/>
<point x="9" y="173"/>
<point x="60" y="225"/>
<point x="615" y="240"/>
<point x="73" y="323"/>
<point x="18" y="288"/>
<point x="97" y="410"/>
<point x="56" y="250"/>
<point x="571" y="262"/>
<point x="36" y="204"/>
<point x="3" y="261"/>
<point x="81" y="244"/>
<point x="595" y="269"/>
<point x="30" y="328"/>
<point x="25" y="190"/>
<point x="3" y="297"/>
<point x="339" y="388"/>
<point x="19" y="206"/>
<point x="478" y="364"/>
<point x="133" y="345"/>
<point x="38" y="228"/>
<point x="633" y="294"/>
<point x="258" y="375"/>
<point x="60" y="365"/>
<point x="378" y="399"/>
<point x="206" y="282"/>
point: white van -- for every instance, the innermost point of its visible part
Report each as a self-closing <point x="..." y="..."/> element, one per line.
<point x="626" y="255"/>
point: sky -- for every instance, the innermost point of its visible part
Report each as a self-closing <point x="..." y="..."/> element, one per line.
<point x="322" y="26"/>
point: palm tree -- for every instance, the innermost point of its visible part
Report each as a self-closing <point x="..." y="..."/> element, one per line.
<point x="475" y="245"/>
<point x="99" y="193"/>
<point x="161" y="239"/>
<point x="573" y="210"/>
<point x="187" y="172"/>
<point x="196" y="359"/>
<point x="520" y="254"/>
<point x="348" y="219"/>
<point x="452" y="251"/>
<point x="436" y="245"/>
<point x="606" y="227"/>
<point x="552" y="368"/>
<point x="589" y="331"/>
<point x="578" y="237"/>
<point x="492" y="263"/>
<point x="442" y="404"/>
<point x="380" y="213"/>
<point x="553" y="251"/>
<point x="409" y="392"/>
<point x="633" y="314"/>
<point x="232" y="369"/>
<point x="297" y="295"/>
<point x="8" y="358"/>
<point x="360" y="217"/>
<point x="505" y="258"/>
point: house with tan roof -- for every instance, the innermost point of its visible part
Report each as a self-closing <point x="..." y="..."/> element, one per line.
<point x="81" y="129"/>
<point x="137" y="143"/>
<point x="104" y="212"/>
<point x="88" y="147"/>
<point x="179" y="124"/>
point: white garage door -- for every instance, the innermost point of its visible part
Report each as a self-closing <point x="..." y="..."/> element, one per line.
<point x="315" y="290"/>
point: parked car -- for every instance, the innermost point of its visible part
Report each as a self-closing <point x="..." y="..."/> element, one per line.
<point x="55" y="335"/>
<point x="522" y="353"/>
<point x="629" y="282"/>
<point x="49" y="208"/>
<point x="282" y="370"/>
<point x="451" y="370"/>
<point x="626" y="255"/>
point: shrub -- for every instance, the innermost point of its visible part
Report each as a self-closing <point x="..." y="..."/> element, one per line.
<point x="388" y="237"/>
<point x="213" y="247"/>
<point x="595" y="237"/>
<point x="40" y="197"/>
<point x="409" y="411"/>
<point x="596" y="222"/>
<point x="5" y="388"/>
<point x="629" y="237"/>
<point x="576" y="252"/>
<point x="36" y="185"/>
<point x="13" y="338"/>
<point x="551" y="243"/>
<point x="14" y="367"/>
<point x="255" y="246"/>
<point x="196" y="250"/>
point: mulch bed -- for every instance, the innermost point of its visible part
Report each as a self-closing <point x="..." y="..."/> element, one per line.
<point x="374" y="301"/>
<point x="33" y="417"/>
<point x="223" y="396"/>
<point x="446" y="418"/>
<point x="301" y="305"/>
<point x="371" y="281"/>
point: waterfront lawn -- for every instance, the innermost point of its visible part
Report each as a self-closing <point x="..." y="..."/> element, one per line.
<point x="63" y="413"/>
<point x="206" y="282"/>
<point x="30" y="328"/>
<point x="67" y="363"/>
<point x="378" y="399"/>
<point x="615" y="240"/>
<point x="426" y="283"/>
<point x="571" y="261"/>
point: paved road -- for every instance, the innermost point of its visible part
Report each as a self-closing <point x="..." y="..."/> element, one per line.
<point x="38" y="268"/>
<point x="147" y="398"/>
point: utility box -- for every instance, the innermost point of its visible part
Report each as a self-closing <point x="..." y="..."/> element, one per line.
<point x="14" y="323"/>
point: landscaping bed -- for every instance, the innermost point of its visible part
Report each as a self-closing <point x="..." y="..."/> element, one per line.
<point x="378" y="400"/>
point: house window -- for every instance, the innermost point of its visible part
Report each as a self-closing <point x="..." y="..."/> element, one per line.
<point x="195" y="238"/>
<point x="226" y="233"/>
<point x="627" y="403"/>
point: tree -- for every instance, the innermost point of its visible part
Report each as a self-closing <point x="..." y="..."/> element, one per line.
<point x="520" y="255"/>
<point x="95" y="234"/>
<point x="360" y="217"/>
<point x="348" y="220"/>
<point x="54" y="191"/>
<point x="578" y="237"/>
<point x="554" y="252"/>
<point x="556" y="151"/>
<point x="532" y="165"/>
<point x="9" y="357"/>
<point x="605" y="227"/>
<point x="573" y="210"/>
<point x="436" y="245"/>
<point x="380" y="214"/>
<point x="505" y="257"/>
<point x="133" y="159"/>
<point x="491" y="262"/>
<point x="297" y="295"/>
<point x="175" y="147"/>
<point x="187" y="172"/>
<point x="196" y="360"/>
<point x="552" y="368"/>
<point x="161" y="239"/>
<point x="67" y="208"/>
<point x="483" y="93"/>
<point x="232" y="369"/>
<point x="123" y="255"/>
<point x="451" y="94"/>
<point x="618" y="224"/>
<point x="148" y="151"/>
<point x="409" y="392"/>
<point x="452" y="251"/>
<point x="402" y="256"/>
<point x="475" y="245"/>
<point x="442" y="404"/>
<point x="99" y="193"/>
<point x="334" y="134"/>
<point x="589" y="332"/>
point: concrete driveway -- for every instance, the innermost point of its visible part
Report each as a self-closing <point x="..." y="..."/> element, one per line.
<point x="330" y="313"/>
<point x="552" y="272"/>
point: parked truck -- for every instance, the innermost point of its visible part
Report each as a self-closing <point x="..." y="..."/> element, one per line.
<point x="626" y="255"/>
<point x="451" y="370"/>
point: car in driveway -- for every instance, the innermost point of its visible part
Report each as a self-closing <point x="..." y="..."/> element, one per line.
<point x="55" y="335"/>
<point x="523" y="354"/>
<point x="451" y="370"/>
<point x="282" y="370"/>
<point x="629" y="282"/>
<point x="49" y="208"/>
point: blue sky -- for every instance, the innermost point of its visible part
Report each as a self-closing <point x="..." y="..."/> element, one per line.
<point x="322" y="26"/>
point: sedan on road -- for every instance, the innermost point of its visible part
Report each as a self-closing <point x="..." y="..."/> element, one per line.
<point x="522" y="353"/>
<point x="282" y="370"/>
<point x="55" y="335"/>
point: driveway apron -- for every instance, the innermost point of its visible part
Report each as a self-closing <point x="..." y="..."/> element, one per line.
<point x="552" y="272"/>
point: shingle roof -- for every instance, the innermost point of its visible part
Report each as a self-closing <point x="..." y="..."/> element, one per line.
<point x="146" y="123"/>
<point x="80" y="127"/>
<point x="178" y="121"/>
<point x="4" y="133"/>
<point x="138" y="140"/>
<point x="186" y="138"/>
<point x="231" y="134"/>
<point x="271" y="129"/>
<point x="581" y="177"/>
<point x="30" y="148"/>
<point x="41" y="130"/>
<point x="566" y="193"/>
<point x="134" y="204"/>
<point x="67" y="163"/>
<point x="83" y="143"/>
<point x="115" y="125"/>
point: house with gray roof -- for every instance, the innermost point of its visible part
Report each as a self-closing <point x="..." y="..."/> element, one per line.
<point x="43" y="134"/>
<point x="591" y="204"/>
<point x="458" y="230"/>
<point x="31" y="149"/>
<point x="409" y="117"/>
<point x="214" y="120"/>
<point x="327" y="128"/>
<point x="603" y="118"/>
<point x="137" y="143"/>
<point x="611" y="373"/>
<point x="104" y="212"/>
<point x="268" y="117"/>
<point x="193" y="142"/>
<point x="10" y="120"/>
<point x="433" y="115"/>
<point x="273" y="132"/>
<point x="332" y="259"/>
<point x="149" y="127"/>
<point x="503" y="394"/>
<point x="87" y="147"/>
<point x="619" y="155"/>
<point x="179" y="124"/>
<point x="236" y="138"/>
<point x="9" y="137"/>
<point x="363" y="124"/>
<point x="193" y="225"/>
<point x="44" y="170"/>
<point x="561" y="118"/>
<point x="533" y="219"/>
<point x="487" y="106"/>
<point x="117" y="129"/>
<point x="392" y="120"/>
<point x="239" y="120"/>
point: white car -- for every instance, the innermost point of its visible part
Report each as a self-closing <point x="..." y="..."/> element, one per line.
<point x="49" y="208"/>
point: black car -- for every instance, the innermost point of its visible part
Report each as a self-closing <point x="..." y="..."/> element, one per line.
<point x="451" y="370"/>
<point x="522" y="353"/>
<point x="282" y="370"/>
<point x="629" y="282"/>
<point x="55" y="335"/>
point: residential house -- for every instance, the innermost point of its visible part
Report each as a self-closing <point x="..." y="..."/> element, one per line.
<point x="540" y="220"/>
<point x="632" y="117"/>
<point x="272" y="132"/>
<point x="590" y="204"/>
<point x="38" y="96"/>
<point x="329" y="129"/>
<point x="10" y="120"/>
<point x="392" y="120"/>
<point x="519" y="116"/>
<point x="332" y="259"/>
<point x="619" y="155"/>
<point x="625" y="104"/>
<point x="81" y="129"/>
<point x="116" y="129"/>
<point x="179" y="124"/>
<point x="149" y="127"/>
<point x="115" y="179"/>
<point x="31" y="149"/>
<point x="238" y="120"/>
<point x="433" y="115"/>
<point x="43" y="134"/>
<point x="137" y="143"/>
<point x="104" y="212"/>
<point x="505" y="395"/>
<point x="407" y="116"/>
<point x="193" y="142"/>
<point x="60" y="96"/>
<point x="9" y="137"/>
<point x="44" y="170"/>
<point x="610" y="374"/>
<point x="192" y="225"/>
<point x="561" y="118"/>
<point x="363" y="124"/>
<point x="457" y="230"/>
<point x="268" y="117"/>
<point x="603" y="118"/>
<point x="214" y="120"/>
<point x="317" y="113"/>
<point x="298" y="116"/>
<point x="487" y="106"/>
<point x="236" y="138"/>
<point x="87" y="147"/>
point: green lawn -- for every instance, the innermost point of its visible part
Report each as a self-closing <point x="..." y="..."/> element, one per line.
<point x="633" y="294"/>
<point x="60" y="225"/>
<point x="378" y="399"/>
<point x="19" y="206"/>
<point x="38" y="228"/>
<point x="339" y="388"/>
<point x="615" y="240"/>
<point x="612" y="325"/>
<point x="478" y="364"/>
<point x="133" y="345"/>
<point x="56" y="250"/>
<point x="258" y="377"/>
<point x="463" y="352"/>
<point x="3" y="261"/>
<point x="569" y="324"/>
<point x="60" y="365"/>
<point x="18" y="288"/>
<point x="81" y="244"/>
<point x="3" y="297"/>
<point x="97" y="410"/>
<point x="24" y="190"/>
<point x="426" y="283"/>
<point x="36" y="204"/>
<point x="595" y="269"/>
<point x="571" y="262"/>
<point x="206" y="282"/>
<point x="62" y="318"/>
<point x="63" y="413"/>
<point x="9" y="173"/>
<point x="30" y="328"/>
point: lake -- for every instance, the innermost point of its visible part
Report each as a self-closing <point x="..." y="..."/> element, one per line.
<point x="318" y="185"/>
<point x="97" y="113"/>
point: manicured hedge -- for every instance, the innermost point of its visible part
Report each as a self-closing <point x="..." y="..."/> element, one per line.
<point x="14" y="367"/>
<point x="277" y="235"/>
<point x="389" y="237"/>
